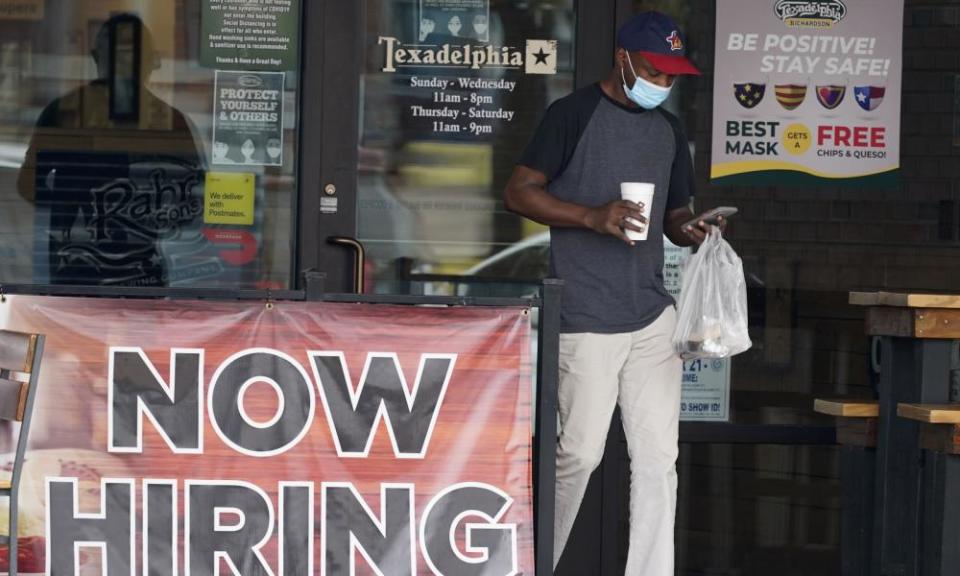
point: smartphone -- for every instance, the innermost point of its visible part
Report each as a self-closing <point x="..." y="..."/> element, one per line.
<point x="712" y="216"/>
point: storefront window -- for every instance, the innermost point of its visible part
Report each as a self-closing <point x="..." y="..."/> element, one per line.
<point x="109" y="171"/>
<point x="451" y="91"/>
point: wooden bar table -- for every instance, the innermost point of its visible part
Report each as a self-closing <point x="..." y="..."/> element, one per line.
<point x="916" y="332"/>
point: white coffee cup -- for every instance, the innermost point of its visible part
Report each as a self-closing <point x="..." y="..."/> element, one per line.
<point x="640" y="193"/>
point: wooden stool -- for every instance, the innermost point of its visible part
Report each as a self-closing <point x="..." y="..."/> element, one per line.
<point x="857" y="436"/>
<point x="856" y="420"/>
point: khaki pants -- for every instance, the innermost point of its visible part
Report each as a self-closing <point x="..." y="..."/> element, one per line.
<point x="640" y="372"/>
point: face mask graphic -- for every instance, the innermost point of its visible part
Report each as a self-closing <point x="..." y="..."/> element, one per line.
<point x="791" y="96"/>
<point x="480" y="26"/>
<point x="273" y="150"/>
<point x="644" y="93"/>
<point x="830" y="96"/>
<point x="749" y="94"/>
<point x="869" y="97"/>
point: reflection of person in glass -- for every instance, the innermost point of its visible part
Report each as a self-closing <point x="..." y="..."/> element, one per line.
<point x="113" y="170"/>
<point x="454" y="25"/>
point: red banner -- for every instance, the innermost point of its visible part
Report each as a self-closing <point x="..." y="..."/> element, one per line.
<point x="284" y="438"/>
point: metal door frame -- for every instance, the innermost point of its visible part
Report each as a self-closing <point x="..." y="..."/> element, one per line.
<point x="331" y="64"/>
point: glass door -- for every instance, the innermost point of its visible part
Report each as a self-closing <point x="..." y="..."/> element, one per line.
<point x="448" y="94"/>
<point x="441" y="136"/>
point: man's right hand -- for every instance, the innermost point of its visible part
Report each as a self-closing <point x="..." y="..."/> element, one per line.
<point x="612" y="219"/>
<point x="526" y="194"/>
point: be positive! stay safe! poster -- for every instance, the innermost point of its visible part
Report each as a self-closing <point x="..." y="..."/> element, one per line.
<point x="807" y="91"/>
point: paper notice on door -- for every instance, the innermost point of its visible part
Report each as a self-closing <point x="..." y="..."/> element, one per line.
<point x="250" y="34"/>
<point x="705" y="389"/>
<point x="452" y="20"/>
<point x="229" y="198"/>
<point x="248" y="118"/>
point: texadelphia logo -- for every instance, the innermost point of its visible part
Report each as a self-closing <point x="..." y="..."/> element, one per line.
<point x="810" y="13"/>
<point x="540" y="56"/>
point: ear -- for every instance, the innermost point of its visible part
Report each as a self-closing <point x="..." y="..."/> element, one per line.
<point x="620" y="57"/>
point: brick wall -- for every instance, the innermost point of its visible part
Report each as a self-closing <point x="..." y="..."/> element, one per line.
<point x="775" y="509"/>
<point x="811" y="246"/>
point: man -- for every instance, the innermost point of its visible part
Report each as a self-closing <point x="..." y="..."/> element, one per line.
<point x="617" y="318"/>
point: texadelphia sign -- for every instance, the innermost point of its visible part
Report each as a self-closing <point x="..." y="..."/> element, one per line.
<point x="290" y="439"/>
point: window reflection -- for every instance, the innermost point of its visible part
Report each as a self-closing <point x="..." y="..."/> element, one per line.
<point x="113" y="171"/>
<point x="105" y="149"/>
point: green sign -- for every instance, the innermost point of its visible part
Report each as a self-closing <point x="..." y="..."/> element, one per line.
<point x="248" y="118"/>
<point x="250" y="34"/>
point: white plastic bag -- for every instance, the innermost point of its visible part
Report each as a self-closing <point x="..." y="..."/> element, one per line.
<point x="712" y="319"/>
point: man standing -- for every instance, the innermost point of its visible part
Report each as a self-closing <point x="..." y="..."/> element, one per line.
<point x="616" y="319"/>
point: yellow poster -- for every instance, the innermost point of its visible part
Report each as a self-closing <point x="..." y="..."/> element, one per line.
<point x="229" y="198"/>
<point x="21" y="9"/>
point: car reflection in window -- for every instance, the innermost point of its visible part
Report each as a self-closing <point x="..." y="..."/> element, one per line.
<point x="514" y="272"/>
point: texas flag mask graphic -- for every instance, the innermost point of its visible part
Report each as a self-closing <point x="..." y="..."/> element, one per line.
<point x="791" y="96"/>
<point x="749" y="94"/>
<point x="869" y="97"/>
<point x="831" y="96"/>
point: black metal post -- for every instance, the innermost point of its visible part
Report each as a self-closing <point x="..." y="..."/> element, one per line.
<point x="913" y="371"/>
<point x="857" y="464"/>
<point x="940" y="538"/>
<point x="545" y="446"/>
<point x="940" y="512"/>
<point x="313" y="284"/>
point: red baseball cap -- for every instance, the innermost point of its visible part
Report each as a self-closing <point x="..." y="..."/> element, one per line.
<point x="658" y="38"/>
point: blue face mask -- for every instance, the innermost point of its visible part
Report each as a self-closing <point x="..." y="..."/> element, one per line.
<point x="644" y="93"/>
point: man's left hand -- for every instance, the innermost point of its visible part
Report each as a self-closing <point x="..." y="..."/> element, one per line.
<point x="698" y="232"/>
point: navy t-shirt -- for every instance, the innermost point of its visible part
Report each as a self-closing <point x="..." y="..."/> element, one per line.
<point x="586" y="145"/>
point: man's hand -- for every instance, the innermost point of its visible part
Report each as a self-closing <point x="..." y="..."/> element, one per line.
<point x="616" y="218"/>
<point x="676" y="228"/>
<point x="698" y="232"/>
<point x="526" y="194"/>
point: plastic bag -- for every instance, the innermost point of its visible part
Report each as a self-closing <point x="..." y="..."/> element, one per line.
<point x="712" y="319"/>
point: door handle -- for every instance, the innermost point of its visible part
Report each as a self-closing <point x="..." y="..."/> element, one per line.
<point x="359" y="259"/>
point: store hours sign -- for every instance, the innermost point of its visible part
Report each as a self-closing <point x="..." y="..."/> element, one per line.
<point x="461" y="72"/>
